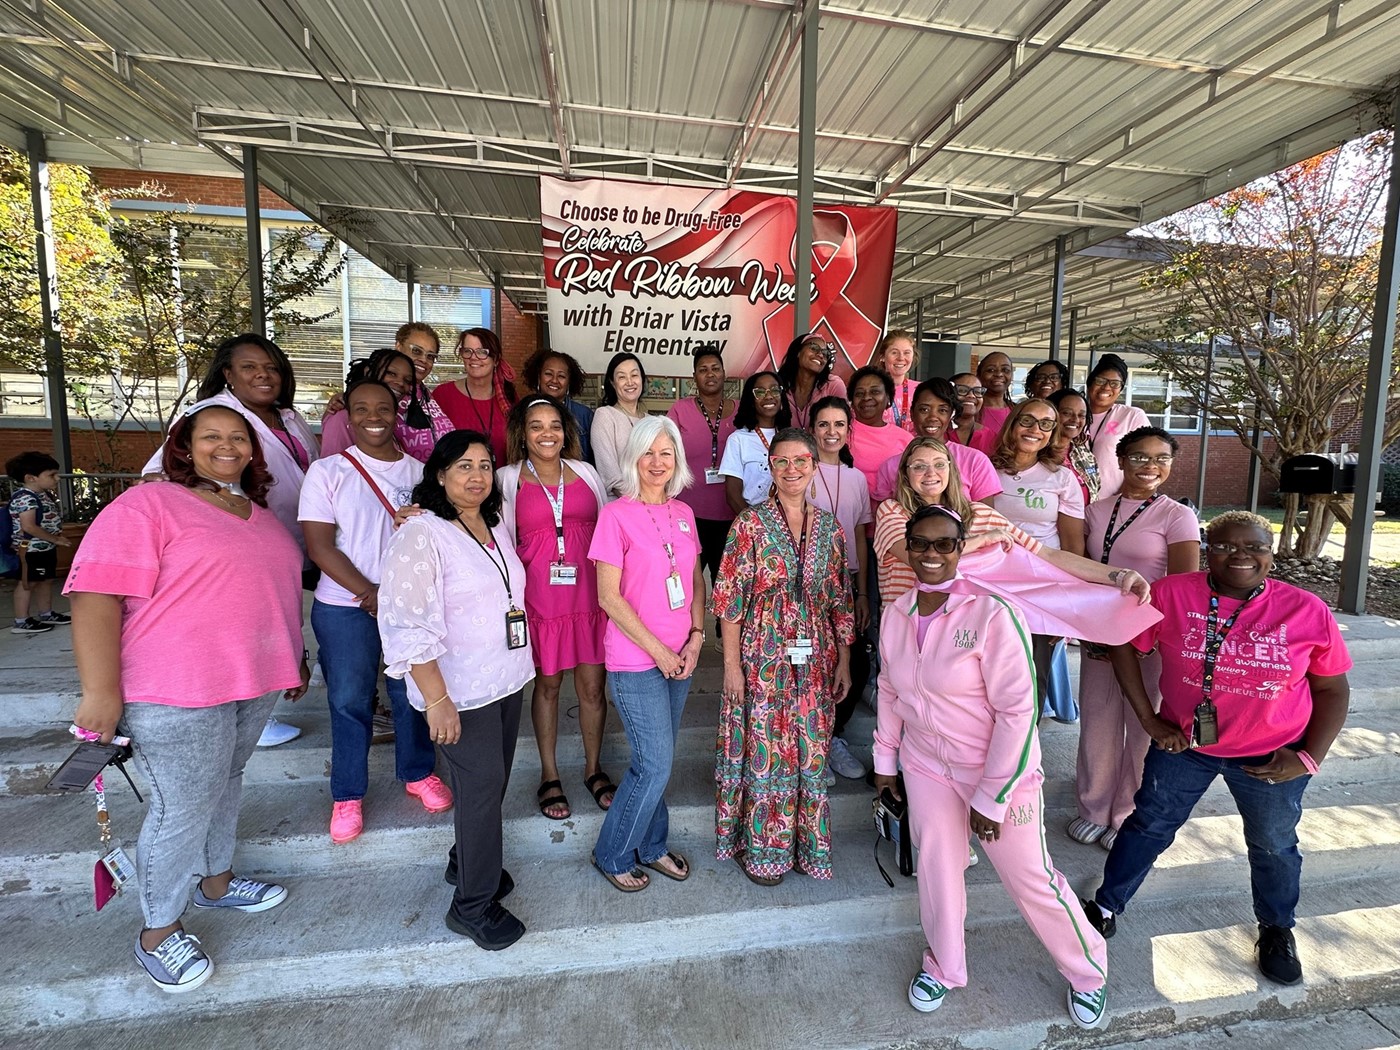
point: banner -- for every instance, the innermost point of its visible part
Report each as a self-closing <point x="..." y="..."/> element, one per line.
<point x="660" y="270"/>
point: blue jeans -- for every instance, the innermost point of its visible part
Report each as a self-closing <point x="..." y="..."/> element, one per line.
<point x="350" y="659"/>
<point x="637" y="824"/>
<point x="1171" y="786"/>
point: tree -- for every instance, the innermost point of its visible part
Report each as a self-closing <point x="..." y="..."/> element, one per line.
<point x="145" y="300"/>
<point x="1283" y="272"/>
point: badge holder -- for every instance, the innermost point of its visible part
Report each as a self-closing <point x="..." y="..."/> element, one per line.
<point x="713" y="476"/>
<point x="799" y="651"/>
<point x="113" y="868"/>
<point x="1204" y="729"/>
<point x="675" y="591"/>
<point x="563" y="575"/>
<point x="517" y="634"/>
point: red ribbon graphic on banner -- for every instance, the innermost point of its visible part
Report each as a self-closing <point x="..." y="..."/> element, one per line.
<point x="843" y="322"/>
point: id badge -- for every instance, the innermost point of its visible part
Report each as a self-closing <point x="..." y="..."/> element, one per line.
<point x="713" y="476"/>
<point x="563" y="575"/>
<point x="799" y="651"/>
<point x="517" y="637"/>
<point x="1204" y="729"/>
<point x="675" y="592"/>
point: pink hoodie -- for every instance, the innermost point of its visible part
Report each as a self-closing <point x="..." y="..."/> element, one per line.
<point x="963" y="705"/>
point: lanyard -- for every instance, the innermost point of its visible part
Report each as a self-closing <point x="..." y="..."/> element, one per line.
<point x="714" y="428"/>
<point x="835" y="503"/>
<point x="901" y="413"/>
<point x="1102" y="423"/>
<point x="1110" y="537"/>
<point x="502" y="567"/>
<point x="556" y="504"/>
<point x="1216" y="638"/>
<point x="669" y="546"/>
<point x="491" y="416"/>
<point x="759" y="432"/>
<point x="799" y="545"/>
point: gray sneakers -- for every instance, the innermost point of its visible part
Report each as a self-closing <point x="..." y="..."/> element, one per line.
<point x="244" y="895"/>
<point x="176" y="964"/>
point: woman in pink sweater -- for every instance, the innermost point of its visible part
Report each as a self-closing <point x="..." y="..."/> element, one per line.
<point x="957" y="711"/>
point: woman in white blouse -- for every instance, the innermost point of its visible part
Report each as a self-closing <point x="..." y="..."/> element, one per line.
<point x="762" y="412"/>
<point x="451" y="616"/>
<point x="623" y="384"/>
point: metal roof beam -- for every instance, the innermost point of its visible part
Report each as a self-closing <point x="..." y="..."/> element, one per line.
<point x="787" y="45"/>
<point x="1012" y="59"/>
<point x="549" y="57"/>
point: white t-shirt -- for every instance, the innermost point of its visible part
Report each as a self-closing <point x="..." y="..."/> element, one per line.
<point x="1035" y="498"/>
<point x="334" y="492"/>
<point x="746" y="458"/>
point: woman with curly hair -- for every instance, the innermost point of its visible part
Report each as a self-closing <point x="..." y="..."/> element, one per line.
<point x="192" y="688"/>
<point x="419" y="421"/>
<point x="806" y="377"/>
<point x="558" y="375"/>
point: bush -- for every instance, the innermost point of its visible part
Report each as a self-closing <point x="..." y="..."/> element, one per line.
<point x="1390" y="490"/>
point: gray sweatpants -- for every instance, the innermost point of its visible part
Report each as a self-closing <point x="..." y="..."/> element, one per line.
<point x="193" y="758"/>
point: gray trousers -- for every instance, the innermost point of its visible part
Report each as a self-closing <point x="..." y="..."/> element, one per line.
<point x="193" y="759"/>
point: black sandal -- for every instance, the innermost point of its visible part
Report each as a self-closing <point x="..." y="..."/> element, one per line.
<point x="598" y="792"/>
<point x="556" y="799"/>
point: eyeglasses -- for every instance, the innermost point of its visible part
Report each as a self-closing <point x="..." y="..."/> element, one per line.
<point x="1031" y="423"/>
<point x="766" y="392"/>
<point x="474" y="351"/>
<point x="943" y="545"/>
<point x="1141" y="459"/>
<point x="1050" y="379"/>
<point x="1107" y="384"/>
<point x="970" y="391"/>
<point x="825" y="348"/>
<point x="422" y="353"/>
<point x="796" y="462"/>
<point x="936" y="467"/>
<point x="1236" y="548"/>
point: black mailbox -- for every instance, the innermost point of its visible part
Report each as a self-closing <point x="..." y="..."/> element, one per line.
<point x="1311" y="475"/>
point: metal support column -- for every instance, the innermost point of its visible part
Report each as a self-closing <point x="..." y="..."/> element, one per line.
<point x="1205" y="427"/>
<point x="1073" y="341"/>
<point x="497" y="293"/>
<point x="252" y="211"/>
<point x="806" y="164"/>
<point x="46" y="265"/>
<point x="1057" y="297"/>
<point x="347" y="354"/>
<point x="411" y="280"/>
<point x="918" y="324"/>
<point x="1356" y="561"/>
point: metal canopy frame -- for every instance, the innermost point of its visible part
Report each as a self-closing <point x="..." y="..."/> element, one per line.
<point x="416" y="133"/>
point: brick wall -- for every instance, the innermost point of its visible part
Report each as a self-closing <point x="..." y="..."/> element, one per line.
<point x="193" y="189"/>
<point x="520" y="337"/>
<point x="133" y="447"/>
<point x="1227" y="472"/>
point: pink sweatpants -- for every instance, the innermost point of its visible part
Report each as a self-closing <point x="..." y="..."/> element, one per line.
<point x="938" y="809"/>
<point x="1112" y="742"/>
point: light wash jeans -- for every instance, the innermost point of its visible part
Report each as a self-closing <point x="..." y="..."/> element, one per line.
<point x="193" y="758"/>
<point x="637" y="823"/>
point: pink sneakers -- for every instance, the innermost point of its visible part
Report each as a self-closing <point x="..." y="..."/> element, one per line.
<point x="346" y="821"/>
<point x="432" y="792"/>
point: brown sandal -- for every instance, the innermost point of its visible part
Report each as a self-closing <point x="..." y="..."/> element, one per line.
<point x="635" y="873"/>
<point x="682" y="865"/>
<point x="757" y="880"/>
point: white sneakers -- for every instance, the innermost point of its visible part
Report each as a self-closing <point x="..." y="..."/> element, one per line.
<point x="276" y="732"/>
<point x="843" y="762"/>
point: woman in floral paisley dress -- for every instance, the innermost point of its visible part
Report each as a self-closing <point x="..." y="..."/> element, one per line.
<point x="787" y="637"/>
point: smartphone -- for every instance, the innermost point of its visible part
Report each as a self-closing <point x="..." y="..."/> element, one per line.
<point x="80" y="768"/>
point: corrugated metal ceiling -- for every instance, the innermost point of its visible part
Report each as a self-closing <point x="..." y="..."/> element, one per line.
<point x="417" y="128"/>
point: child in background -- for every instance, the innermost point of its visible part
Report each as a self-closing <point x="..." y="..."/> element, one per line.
<point x="36" y="533"/>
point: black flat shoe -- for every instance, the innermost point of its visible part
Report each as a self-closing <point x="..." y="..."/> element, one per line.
<point x="1278" y="955"/>
<point x="495" y="929"/>
<point x="1107" y="927"/>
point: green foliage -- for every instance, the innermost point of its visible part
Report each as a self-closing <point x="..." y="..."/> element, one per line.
<point x="1390" y="491"/>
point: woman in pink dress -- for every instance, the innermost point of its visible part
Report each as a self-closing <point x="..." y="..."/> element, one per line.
<point x="1108" y="420"/>
<point x="482" y="398"/>
<point x="551" y="500"/>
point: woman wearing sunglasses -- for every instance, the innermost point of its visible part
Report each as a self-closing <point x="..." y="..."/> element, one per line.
<point x="784" y="602"/>
<point x="1254" y="692"/>
<point x="806" y="376"/>
<point x="957" y="712"/>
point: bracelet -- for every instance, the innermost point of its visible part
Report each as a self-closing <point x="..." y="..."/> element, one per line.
<point x="434" y="704"/>
<point x="1309" y="763"/>
<point x="306" y="656"/>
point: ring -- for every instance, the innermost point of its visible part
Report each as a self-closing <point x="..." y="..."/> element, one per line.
<point x="1268" y="780"/>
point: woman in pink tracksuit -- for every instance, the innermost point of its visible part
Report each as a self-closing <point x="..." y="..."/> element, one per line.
<point x="957" y="712"/>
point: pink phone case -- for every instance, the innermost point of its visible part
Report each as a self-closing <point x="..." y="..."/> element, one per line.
<point x="104" y="887"/>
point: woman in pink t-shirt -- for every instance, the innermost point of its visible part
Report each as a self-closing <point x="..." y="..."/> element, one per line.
<point x="873" y="441"/>
<point x="896" y="354"/>
<point x="706" y="422"/>
<point x="957" y="712"/>
<point x="1108" y="420"/>
<point x="482" y="398"/>
<point x="995" y="372"/>
<point x="652" y="586"/>
<point x="1254" y="691"/>
<point x="1144" y="529"/>
<point x="191" y="688"/>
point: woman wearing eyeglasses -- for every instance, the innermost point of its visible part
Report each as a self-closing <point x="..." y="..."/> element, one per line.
<point x="784" y="603"/>
<point x="805" y="376"/>
<point x="1108" y="420"/>
<point x="1254" y="691"/>
<point x="1145" y="529"/>
<point x="481" y="400"/>
<point x="969" y="391"/>
<point x="957" y="712"/>
<point x="1040" y="497"/>
<point x="762" y="412"/>
<point x="1046" y="378"/>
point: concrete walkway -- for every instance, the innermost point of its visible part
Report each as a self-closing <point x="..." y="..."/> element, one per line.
<point x="360" y="952"/>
